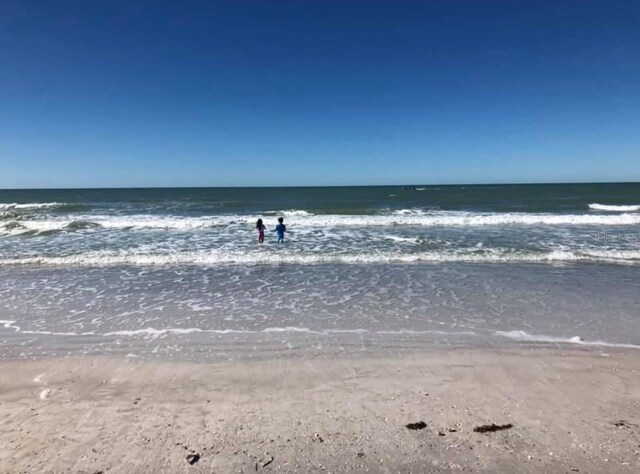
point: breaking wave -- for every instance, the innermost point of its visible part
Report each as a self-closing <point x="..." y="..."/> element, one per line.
<point x="611" y="207"/>
<point x="31" y="206"/>
<point x="80" y="225"/>
<point x="217" y="257"/>
<point x="300" y="219"/>
<point x="294" y="213"/>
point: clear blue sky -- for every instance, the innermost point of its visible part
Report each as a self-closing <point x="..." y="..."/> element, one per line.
<point x="320" y="92"/>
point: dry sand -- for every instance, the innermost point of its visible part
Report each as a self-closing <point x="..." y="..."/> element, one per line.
<point x="572" y="410"/>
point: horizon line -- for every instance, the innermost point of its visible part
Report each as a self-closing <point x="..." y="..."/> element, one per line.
<point x="321" y="186"/>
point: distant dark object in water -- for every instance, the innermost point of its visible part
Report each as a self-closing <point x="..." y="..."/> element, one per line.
<point x="492" y="427"/>
<point x="417" y="426"/>
<point x="410" y="188"/>
<point x="193" y="458"/>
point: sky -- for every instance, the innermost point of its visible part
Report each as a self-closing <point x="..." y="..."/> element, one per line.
<point x="270" y="93"/>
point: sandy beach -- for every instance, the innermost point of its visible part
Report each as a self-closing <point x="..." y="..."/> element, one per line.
<point x="319" y="237"/>
<point x="556" y="410"/>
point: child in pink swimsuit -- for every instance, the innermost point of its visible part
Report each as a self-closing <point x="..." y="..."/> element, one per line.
<point x="260" y="228"/>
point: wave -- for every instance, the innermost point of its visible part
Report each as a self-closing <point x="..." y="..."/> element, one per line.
<point x="151" y="333"/>
<point x="5" y="216"/>
<point x="33" y="205"/>
<point x="22" y="227"/>
<point x="404" y="217"/>
<point x="16" y="228"/>
<point x="439" y="219"/>
<point x="154" y="333"/>
<point x="80" y="225"/>
<point x="294" y="213"/>
<point x="140" y="222"/>
<point x="617" y="208"/>
<point x="14" y="225"/>
<point x="408" y="212"/>
<point x="217" y="257"/>
<point x="526" y="337"/>
<point x="397" y="238"/>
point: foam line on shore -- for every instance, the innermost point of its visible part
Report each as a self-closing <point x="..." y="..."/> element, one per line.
<point x="154" y="333"/>
<point x="524" y="336"/>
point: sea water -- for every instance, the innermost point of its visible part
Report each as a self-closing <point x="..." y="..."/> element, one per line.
<point x="179" y="273"/>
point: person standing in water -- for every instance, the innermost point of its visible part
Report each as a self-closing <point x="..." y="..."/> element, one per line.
<point x="280" y="230"/>
<point x="260" y="228"/>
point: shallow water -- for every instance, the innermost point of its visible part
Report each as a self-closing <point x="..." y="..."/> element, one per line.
<point x="501" y="224"/>
<point x="265" y="310"/>
<point x="177" y="272"/>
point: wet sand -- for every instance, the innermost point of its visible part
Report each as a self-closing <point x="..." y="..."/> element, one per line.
<point x="571" y="410"/>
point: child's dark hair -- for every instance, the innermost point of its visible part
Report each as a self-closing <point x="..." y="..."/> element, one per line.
<point x="259" y="224"/>
<point x="280" y="219"/>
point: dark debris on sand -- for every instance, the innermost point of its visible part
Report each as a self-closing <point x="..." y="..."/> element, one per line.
<point x="193" y="458"/>
<point x="492" y="427"/>
<point x="623" y="424"/>
<point x="417" y="426"/>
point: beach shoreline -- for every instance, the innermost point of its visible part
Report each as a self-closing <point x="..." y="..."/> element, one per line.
<point x="572" y="409"/>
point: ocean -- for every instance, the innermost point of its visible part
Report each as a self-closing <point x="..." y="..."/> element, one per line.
<point x="178" y="272"/>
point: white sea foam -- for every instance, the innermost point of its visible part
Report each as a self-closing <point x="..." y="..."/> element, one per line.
<point x="526" y="337"/>
<point x="294" y="213"/>
<point x="155" y="333"/>
<point x="611" y="207"/>
<point x="398" y="238"/>
<point x="288" y="329"/>
<point x="56" y="333"/>
<point x="346" y="331"/>
<point x="431" y="331"/>
<point x="116" y="222"/>
<point x="151" y="333"/>
<point x="9" y="324"/>
<point x="405" y="217"/>
<point x="34" y="205"/>
<point x="409" y="212"/>
<point x="219" y="257"/>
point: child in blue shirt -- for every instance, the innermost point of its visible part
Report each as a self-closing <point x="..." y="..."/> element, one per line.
<point x="280" y="230"/>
